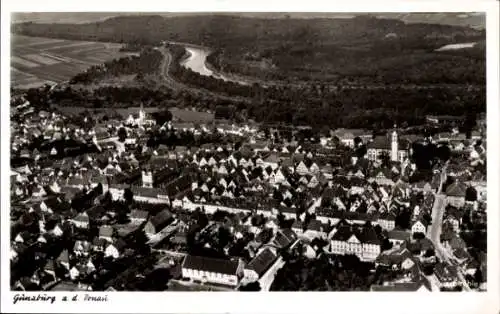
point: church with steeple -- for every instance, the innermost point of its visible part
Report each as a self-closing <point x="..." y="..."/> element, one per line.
<point x="142" y="119"/>
<point x="391" y="145"/>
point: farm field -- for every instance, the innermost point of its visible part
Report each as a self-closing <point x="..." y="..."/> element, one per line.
<point x="186" y="115"/>
<point x="36" y="60"/>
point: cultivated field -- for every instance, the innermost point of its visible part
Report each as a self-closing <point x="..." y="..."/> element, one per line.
<point x="186" y="115"/>
<point x="36" y="60"/>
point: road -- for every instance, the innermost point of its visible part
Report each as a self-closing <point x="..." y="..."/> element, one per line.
<point x="434" y="232"/>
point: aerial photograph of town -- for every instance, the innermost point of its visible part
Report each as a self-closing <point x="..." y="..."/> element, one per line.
<point x="248" y="152"/>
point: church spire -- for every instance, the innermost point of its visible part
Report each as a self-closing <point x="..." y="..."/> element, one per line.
<point x="142" y="114"/>
<point x="394" y="145"/>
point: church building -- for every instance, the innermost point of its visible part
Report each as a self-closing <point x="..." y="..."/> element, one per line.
<point x="141" y="120"/>
<point x="397" y="149"/>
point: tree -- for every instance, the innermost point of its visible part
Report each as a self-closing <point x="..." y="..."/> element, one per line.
<point x="471" y="194"/>
<point x="357" y="141"/>
<point x="443" y="152"/>
<point x="157" y="280"/>
<point x="122" y="134"/>
<point x="386" y="245"/>
<point x="429" y="253"/>
<point x="478" y="276"/>
<point x="403" y="219"/>
<point x="128" y="196"/>
<point x="361" y="151"/>
<point x="99" y="189"/>
<point x="428" y="269"/>
<point x="162" y="117"/>
<point x="277" y="195"/>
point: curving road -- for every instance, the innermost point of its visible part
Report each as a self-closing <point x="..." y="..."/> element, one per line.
<point x="434" y="232"/>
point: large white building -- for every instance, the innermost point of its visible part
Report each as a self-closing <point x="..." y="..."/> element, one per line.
<point x="356" y="240"/>
<point x="212" y="270"/>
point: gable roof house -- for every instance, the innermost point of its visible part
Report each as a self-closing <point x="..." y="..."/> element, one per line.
<point x="116" y="249"/>
<point x="455" y="193"/>
<point x="258" y="266"/>
<point x="419" y="225"/>
<point x="158" y="222"/>
<point x="81" y="248"/>
<point x="106" y="232"/>
<point x="81" y="220"/>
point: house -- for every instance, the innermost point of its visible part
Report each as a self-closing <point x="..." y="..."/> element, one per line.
<point x="81" y="220"/>
<point x="423" y="186"/>
<point x="50" y="268"/>
<point x="358" y="240"/>
<point x="446" y="275"/>
<point x="347" y="136"/>
<point x="419" y="226"/>
<point x="455" y="194"/>
<point x="284" y="238"/>
<point x="115" y="250"/>
<point x="212" y="270"/>
<point x="63" y="259"/>
<point x="38" y="191"/>
<point x="259" y="264"/>
<point x="74" y="272"/>
<point x="158" y="222"/>
<point x="81" y="248"/>
<point x="420" y="246"/>
<point x="396" y="259"/>
<point x="25" y="237"/>
<point x="138" y="216"/>
<point x="398" y="237"/>
<point x="387" y="221"/>
<point x="315" y="229"/>
<point x="99" y="244"/>
<point x="453" y="220"/>
<point x="106" y="232"/>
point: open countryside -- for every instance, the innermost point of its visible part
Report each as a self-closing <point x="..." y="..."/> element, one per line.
<point x="38" y="60"/>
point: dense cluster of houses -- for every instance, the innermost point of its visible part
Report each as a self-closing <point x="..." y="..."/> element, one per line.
<point x="77" y="215"/>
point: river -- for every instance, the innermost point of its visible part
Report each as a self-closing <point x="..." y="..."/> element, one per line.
<point x="197" y="63"/>
<point x="456" y="46"/>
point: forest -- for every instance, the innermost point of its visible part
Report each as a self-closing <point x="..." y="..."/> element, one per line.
<point x="147" y="62"/>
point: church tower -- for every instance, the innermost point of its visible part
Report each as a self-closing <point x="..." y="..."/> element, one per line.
<point x="394" y="146"/>
<point x="142" y="116"/>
